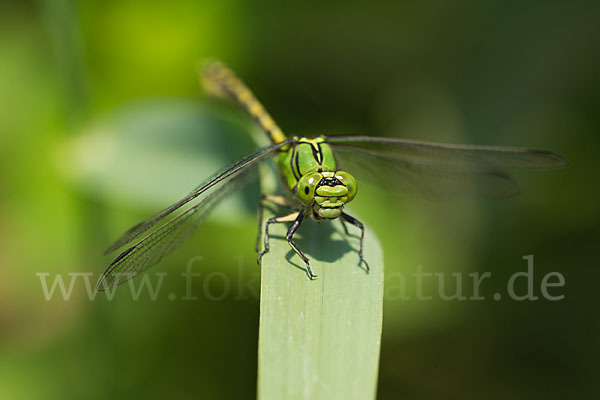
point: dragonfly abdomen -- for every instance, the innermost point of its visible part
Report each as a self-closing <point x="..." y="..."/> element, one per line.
<point x="222" y="82"/>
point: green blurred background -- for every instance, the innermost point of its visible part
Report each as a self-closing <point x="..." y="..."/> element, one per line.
<point x="102" y="123"/>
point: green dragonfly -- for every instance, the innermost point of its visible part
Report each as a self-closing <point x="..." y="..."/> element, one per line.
<point x="317" y="187"/>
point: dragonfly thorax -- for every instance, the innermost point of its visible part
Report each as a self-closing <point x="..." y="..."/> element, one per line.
<point x="304" y="156"/>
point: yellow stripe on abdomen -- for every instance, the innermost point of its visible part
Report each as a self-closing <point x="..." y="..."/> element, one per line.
<point x="219" y="81"/>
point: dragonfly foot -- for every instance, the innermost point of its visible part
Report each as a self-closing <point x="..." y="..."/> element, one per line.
<point x="363" y="261"/>
<point x="262" y="253"/>
<point x="309" y="271"/>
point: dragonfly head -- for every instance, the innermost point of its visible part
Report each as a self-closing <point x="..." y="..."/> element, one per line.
<point x="327" y="192"/>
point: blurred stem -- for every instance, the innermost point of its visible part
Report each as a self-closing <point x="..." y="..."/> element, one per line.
<point x="61" y="19"/>
<point x="62" y="22"/>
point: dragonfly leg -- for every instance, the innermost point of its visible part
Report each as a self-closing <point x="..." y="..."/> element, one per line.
<point x="359" y="225"/>
<point x="344" y="226"/>
<point x="277" y="200"/>
<point x="290" y="234"/>
<point x="275" y="220"/>
<point x="297" y="218"/>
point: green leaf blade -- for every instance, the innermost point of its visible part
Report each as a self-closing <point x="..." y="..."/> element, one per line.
<point x="320" y="339"/>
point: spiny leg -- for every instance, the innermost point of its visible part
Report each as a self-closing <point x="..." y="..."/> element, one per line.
<point x="344" y="226"/>
<point x="277" y="200"/>
<point x="297" y="218"/>
<point x="275" y="220"/>
<point x="290" y="234"/>
<point x="358" y="224"/>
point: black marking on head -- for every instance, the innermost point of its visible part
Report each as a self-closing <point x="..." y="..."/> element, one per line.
<point x="306" y="190"/>
<point x="332" y="181"/>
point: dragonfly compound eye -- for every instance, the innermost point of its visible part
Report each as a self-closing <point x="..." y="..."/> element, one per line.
<point x="347" y="180"/>
<point x="307" y="185"/>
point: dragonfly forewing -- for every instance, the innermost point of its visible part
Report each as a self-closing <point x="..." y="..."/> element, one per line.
<point x="157" y="242"/>
<point x="433" y="169"/>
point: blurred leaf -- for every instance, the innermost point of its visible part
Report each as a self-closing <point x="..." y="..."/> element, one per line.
<point x="320" y="339"/>
<point x="152" y="153"/>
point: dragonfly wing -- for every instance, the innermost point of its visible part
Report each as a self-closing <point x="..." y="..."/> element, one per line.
<point x="223" y="176"/>
<point x="158" y="241"/>
<point x="438" y="169"/>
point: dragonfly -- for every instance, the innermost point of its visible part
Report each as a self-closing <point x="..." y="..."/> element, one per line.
<point x="320" y="177"/>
